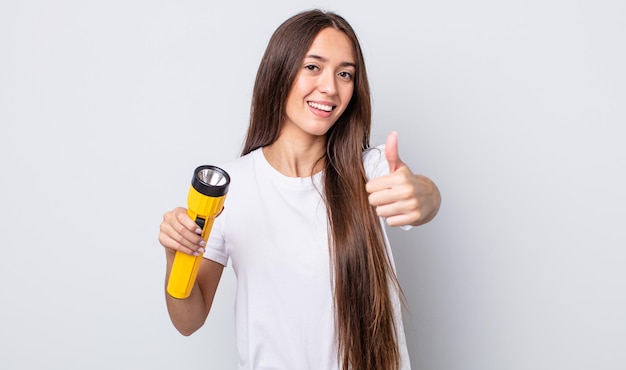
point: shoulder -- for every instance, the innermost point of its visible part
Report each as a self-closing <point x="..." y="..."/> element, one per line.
<point x="374" y="162"/>
<point x="241" y="164"/>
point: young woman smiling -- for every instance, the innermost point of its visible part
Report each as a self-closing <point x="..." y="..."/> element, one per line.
<point x="303" y="224"/>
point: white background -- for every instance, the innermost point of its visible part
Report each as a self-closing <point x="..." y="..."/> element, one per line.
<point x="515" y="108"/>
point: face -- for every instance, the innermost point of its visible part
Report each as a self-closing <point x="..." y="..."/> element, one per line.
<point x="323" y="86"/>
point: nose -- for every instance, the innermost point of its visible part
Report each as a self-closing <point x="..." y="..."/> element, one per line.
<point x="327" y="83"/>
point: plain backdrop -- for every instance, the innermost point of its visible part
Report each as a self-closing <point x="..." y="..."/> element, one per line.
<point x="515" y="108"/>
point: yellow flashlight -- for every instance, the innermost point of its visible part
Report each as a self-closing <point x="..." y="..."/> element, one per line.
<point x="205" y="201"/>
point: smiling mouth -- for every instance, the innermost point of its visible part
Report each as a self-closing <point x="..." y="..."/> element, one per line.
<point x="325" y="108"/>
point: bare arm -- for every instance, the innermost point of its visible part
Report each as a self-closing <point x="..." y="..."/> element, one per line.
<point x="178" y="232"/>
<point x="189" y="314"/>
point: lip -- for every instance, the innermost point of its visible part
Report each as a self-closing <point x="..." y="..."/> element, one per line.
<point x="320" y="112"/>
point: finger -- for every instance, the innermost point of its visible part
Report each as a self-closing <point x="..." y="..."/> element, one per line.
<point x="376" y="184"/>
<point x="401" y="193"/>
<point x="391" y="152"/>
<point x="179" y="228"/>
<point x="399" y="213"/>
<point x="171" y="244"/>
<point x="171" y="238"/>
<point x="398" y="207"/>
<point x="401" y="177"/>
<point x="401" y="220"/>
<point x="184" y="219"/>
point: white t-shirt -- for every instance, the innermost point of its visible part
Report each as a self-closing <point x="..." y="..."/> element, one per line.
<point x="274" y="231"/>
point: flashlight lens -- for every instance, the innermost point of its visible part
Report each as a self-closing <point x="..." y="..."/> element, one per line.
<point x="210" y="181"/>
<point x="211" y="177"/>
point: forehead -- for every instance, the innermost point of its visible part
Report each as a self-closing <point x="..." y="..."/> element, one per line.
<point x="332" y="44"/>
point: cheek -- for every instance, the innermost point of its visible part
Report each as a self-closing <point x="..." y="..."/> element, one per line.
<point x="302" y="85"/>
<point x="347" y="92"/>
<point x="295" y="94"/>
<point x="346" y="96"/>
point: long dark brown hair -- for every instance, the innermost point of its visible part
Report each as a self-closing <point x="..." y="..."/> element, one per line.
<point x="362" y="275"/>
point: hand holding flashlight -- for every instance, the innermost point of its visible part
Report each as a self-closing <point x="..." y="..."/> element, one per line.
<point x="205" y="201"/>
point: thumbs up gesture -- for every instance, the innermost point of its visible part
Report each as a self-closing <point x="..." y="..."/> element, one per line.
<point x="402" y="197"/>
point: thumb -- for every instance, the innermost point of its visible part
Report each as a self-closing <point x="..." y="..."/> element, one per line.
<point x="391" y="152"/>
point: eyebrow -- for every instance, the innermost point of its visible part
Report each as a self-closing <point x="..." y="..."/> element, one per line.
<point x="322" y="59"/>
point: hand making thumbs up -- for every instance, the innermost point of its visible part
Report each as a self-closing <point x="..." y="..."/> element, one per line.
<point x="402" y="197"/>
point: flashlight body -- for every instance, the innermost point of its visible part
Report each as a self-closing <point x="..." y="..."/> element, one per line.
<point x="203" y="209"/>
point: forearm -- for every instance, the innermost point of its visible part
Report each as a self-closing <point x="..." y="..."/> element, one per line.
<point x="188" y="314"/>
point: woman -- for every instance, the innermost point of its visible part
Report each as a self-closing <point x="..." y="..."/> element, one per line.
<point x="316" y="286"/>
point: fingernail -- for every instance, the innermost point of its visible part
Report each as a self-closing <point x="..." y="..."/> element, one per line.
<point x="199" y="231"/>
<point x="201" y="250"/>
<point x="196" y="254"/>
<point x="202" y="243"/>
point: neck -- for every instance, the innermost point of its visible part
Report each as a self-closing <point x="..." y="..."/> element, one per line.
<point x="296" y="158"/>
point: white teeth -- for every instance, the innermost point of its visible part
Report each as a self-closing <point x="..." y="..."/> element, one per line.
<point x="323" y="107"/>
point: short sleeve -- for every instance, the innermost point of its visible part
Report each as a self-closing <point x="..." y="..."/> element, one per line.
<point x="216" y="246"/>
<point x="375" y="163"/>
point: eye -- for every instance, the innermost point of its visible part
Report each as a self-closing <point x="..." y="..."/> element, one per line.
<point x="346" y="75"/>
<point x="311" y="67"/>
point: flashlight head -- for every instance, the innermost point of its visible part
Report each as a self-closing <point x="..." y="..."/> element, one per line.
<point x="211" y="181"/>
